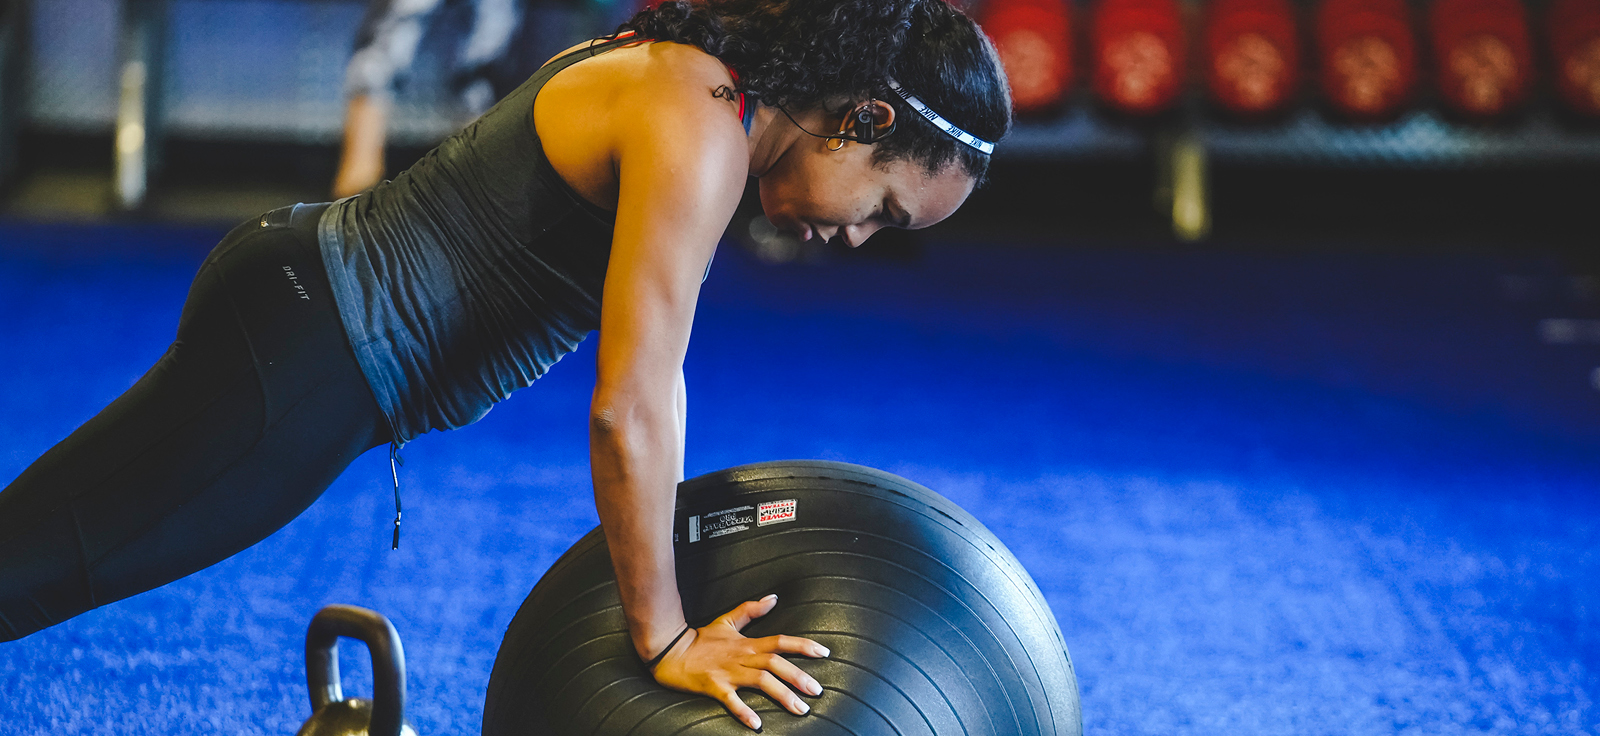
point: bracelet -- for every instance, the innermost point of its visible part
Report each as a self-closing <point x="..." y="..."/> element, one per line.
<point x="651" y="665"/>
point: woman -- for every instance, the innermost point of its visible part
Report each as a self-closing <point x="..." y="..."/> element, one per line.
<point x="591" y="197"/>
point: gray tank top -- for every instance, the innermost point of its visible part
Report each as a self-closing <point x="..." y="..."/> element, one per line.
<point x="469" y="275"/>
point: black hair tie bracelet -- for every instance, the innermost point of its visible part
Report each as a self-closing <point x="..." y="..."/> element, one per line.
<point x="651" y="665"/>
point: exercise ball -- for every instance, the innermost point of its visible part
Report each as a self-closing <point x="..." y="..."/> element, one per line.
<point x="934" y="627"/>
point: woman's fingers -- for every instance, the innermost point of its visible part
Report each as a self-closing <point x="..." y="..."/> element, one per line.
<point x="736" y="707"/>
<point x="783" y="695"/>
<point x="790" y="645"/>
<point x="786" y="671"/>
<point x="720" y="654"/>
<point x="744" y="613"/>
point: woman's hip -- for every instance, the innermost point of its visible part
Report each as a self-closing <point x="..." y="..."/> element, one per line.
<point x="267" y="279"/>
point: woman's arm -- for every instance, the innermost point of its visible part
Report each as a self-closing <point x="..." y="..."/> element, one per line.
<point x="671" y="206"/>
<point x="680" y="175"/>
<point x="683" y="421"/>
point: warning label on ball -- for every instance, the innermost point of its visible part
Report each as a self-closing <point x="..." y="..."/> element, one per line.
<point x="734" y="520"/>
<point x="720" y="523"/>
<point x="775" y="512"/>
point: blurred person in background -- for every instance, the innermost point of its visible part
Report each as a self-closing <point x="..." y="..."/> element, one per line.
<point x="487" y="64"/>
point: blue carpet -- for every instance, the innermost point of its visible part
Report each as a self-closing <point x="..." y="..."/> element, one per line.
<point x="1264" y="494"/>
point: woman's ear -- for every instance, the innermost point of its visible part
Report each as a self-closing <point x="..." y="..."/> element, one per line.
<point x="869" y="121"/>
<point x="883" y="114"/>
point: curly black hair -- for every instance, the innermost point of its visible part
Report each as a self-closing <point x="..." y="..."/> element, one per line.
<point x="796" y="54"/>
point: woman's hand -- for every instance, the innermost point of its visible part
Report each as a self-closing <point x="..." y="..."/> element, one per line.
<point x="717" y="660"/>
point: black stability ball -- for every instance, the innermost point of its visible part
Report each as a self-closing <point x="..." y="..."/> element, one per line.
<point x="933" y="625"/>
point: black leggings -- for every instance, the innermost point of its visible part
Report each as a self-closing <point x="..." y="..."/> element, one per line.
<point x="252" y="413"/>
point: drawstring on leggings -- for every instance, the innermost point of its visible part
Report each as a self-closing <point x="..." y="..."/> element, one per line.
<point x="394" y="470"/>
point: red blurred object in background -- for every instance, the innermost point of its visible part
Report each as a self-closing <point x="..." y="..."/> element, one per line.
<point x="1252" y="55"/>
<point x="1034" y="39"/>
<point x="1482" y="54"/>
<point x="1138" y="54"/>
<point x="1575" y="52"/>
<point x="1368" y="56"/>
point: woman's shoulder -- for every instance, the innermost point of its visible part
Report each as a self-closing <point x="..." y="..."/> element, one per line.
<point x="648" y="87"/>
<point x="648" y="63"/>
<point x="654" y="101"/>
<point x="668" y="71"/>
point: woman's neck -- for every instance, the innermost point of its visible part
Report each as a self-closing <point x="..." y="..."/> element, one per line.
<point x="772" y="135"/>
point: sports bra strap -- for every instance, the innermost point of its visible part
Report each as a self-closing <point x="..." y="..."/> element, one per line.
<point x="747" y="112"/>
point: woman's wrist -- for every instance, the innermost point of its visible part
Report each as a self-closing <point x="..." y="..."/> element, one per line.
<point x="650" y="664"/>
<point x="653" y="639"/>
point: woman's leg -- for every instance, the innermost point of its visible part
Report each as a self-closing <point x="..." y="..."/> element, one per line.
<point x="254" y="410"/>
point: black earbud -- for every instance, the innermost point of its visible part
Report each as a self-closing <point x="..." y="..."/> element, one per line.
<point x="861" y="126"/>
<point x="867" y="122"/>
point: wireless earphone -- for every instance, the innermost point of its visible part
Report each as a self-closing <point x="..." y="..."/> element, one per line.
<point x="867" y="122"/>
<point x="861" y="126"/>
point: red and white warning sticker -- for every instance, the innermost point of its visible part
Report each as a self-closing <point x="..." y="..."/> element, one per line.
<point x="775" y="512"/>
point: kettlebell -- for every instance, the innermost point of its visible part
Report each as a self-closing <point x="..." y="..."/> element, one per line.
<point x="331" y="713"/>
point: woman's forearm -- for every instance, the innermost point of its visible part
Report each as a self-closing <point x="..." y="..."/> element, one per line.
<point x="636" y="459"/>
<point x="683" y="422"/>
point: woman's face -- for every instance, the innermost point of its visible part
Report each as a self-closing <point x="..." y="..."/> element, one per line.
<point x="814" y="192"/>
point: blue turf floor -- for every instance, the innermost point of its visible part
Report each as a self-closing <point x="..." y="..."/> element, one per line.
<point x="1264" y="493"/>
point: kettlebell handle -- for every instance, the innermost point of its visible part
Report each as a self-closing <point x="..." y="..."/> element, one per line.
<point x="388" y="663"/>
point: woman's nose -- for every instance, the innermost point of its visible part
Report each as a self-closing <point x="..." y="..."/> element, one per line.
<point x="855" y="235"/>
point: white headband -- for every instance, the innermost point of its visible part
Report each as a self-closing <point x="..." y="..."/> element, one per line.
<point x="939" y="122"/>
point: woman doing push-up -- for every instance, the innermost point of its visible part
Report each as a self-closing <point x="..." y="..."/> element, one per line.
<point x="590" y="198"/>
